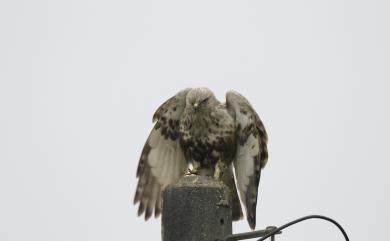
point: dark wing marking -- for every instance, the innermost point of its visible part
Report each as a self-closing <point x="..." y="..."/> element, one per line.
<point x="251" y="154"/>
<point x="162" y="160"/>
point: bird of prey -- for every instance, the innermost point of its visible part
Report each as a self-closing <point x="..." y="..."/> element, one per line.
<point x="194" y="129"/>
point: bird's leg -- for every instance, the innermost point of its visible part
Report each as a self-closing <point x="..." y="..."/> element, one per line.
<point x="194" y="171"/>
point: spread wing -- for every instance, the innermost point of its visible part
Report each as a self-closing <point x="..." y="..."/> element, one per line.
<point x="162" y="160"/>
<point x="252" y="152"/>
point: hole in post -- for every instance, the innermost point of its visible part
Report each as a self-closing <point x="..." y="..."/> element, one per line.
<point x="221" y="221"/>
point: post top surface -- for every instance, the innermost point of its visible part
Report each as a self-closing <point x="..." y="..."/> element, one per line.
<point x="198" y="181"/>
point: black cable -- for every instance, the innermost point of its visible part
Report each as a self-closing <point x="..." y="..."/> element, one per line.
<point x="275" y="231"/>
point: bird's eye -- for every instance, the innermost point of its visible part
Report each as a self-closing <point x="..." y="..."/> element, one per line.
<point x="205" y="100"/>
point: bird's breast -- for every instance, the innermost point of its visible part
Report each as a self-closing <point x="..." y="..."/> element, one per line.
<point x="208" y="139"/>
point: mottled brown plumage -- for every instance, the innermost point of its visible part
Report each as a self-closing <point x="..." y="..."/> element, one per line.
<point x="193" y="127"/>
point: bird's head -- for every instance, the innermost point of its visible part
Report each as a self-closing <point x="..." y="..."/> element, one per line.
<point x="200" y="98"/>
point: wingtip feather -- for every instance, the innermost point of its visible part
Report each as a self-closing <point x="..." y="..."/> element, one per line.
<point x="148" y="213"/>
<point x="252" y="222"/>
<point x="141" y="209"/>
<point x="136" y="198"/>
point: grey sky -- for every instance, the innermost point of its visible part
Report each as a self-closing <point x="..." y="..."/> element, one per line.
<point x="80" y="80"/>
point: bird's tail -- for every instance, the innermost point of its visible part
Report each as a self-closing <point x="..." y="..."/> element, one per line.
<point x="228" y="180"/>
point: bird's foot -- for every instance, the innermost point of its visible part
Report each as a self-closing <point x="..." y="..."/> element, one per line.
<point x="219" y="169"/>
<point x="191" y="172"/>
<point x="217" y="174"/>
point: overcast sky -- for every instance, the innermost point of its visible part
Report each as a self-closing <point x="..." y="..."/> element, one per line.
<point x="80" y="81"/>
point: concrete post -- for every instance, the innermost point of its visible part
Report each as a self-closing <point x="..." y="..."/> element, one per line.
<point x="197" y="208"/>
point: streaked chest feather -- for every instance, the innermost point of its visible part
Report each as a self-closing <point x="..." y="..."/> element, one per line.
<point x="207" y="132"/>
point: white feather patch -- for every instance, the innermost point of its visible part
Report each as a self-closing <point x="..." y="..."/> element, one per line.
<point x="245" y="155"/>
<point x="165" y="158"/>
